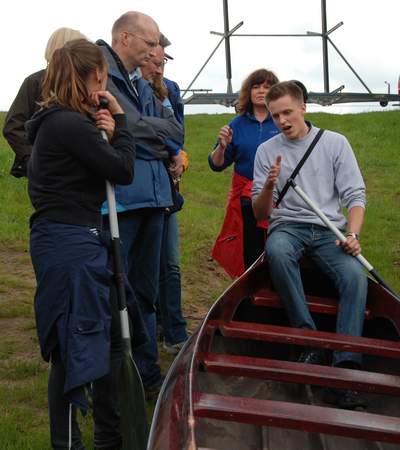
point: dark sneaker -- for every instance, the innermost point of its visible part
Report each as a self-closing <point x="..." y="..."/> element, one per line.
<point x="345" y="399"/>
<point x="312" y="357"/>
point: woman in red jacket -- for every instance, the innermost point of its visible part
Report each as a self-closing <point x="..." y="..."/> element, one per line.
<point x="241" y="239"/>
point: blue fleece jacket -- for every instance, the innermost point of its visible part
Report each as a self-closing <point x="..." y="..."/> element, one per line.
<point x="248" y="134"/>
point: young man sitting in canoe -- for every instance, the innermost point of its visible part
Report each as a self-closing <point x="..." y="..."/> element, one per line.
<point x="331" y="177"/>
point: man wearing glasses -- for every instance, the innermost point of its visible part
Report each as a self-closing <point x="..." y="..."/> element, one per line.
<point x="141" y="205"/>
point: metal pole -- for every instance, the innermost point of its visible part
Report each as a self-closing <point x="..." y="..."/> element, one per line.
<point x="202" y="67"/>
<point x="349" y="66"/>
<point x="227" y="48"/>
<point x="325" y="47"/>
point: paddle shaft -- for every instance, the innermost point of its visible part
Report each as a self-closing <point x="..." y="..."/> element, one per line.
<point x="118" y="264"/>
<point x="117" y="257"/>
<point x="339" y="235"/>
<point x="134" y="428"/>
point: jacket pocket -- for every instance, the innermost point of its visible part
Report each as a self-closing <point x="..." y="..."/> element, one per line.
<point x="87" y="326"/>
<point x="89" y="341"/>
<point x="88" y="350"/>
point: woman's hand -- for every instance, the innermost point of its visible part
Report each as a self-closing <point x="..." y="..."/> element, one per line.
<point x="105" y="121"/>
<point x="225" y="136"/>
<point x="113" y="106"/>
<point x="224" y="139"/>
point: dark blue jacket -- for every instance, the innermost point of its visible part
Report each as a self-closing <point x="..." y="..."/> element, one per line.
<point x="72" y="306"/>
<point x="248" y="134"/>
<point x="174" y="96"/>
<point x="158" y="135"/>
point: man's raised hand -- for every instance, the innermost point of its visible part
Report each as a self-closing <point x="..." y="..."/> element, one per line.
<point x="273" y="174"/>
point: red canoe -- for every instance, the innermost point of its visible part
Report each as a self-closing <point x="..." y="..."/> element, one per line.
<point x="236" y="385"/>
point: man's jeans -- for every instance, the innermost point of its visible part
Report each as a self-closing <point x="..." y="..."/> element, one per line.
<point x="141" y="233"/>
<point x="173" y="323"/>
<point x="285" y="246"/>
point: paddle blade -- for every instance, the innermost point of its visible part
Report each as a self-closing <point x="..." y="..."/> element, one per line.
<point x="134" y="427"/>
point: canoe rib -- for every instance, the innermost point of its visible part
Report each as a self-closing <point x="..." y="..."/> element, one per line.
<point x="270" y="369"/>
<point x="309" y="418"/>
<point x="310" y="338"/>
<point x="321" y="305"/>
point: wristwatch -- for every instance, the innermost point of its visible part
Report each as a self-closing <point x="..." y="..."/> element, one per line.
<point x="353" y="235"/>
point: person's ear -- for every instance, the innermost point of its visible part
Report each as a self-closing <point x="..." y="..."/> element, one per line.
<point x="124" y="38"/>
<point x="98" y="76"/>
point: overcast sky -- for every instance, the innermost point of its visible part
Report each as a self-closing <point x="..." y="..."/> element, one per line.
<point x="369" y="39"/>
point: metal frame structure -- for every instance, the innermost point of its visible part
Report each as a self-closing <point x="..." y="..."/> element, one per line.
<point x="229" y="98"/>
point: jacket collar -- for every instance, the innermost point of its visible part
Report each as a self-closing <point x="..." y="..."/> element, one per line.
<point x="116" y="66"/>
<point x="252" y="117"/>
<point x="136" y="74"/>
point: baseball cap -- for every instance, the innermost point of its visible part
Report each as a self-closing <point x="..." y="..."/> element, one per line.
<point x="165" y="42"/>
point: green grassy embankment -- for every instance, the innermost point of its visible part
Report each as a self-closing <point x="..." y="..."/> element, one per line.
<point x="375" y="138"/>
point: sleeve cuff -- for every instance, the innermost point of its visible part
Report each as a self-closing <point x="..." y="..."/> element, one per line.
<point x="120" y="120"/>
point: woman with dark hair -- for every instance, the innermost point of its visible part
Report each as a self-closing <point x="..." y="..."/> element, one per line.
<point x="76" y="318"/>
<point x="241" y="239"/>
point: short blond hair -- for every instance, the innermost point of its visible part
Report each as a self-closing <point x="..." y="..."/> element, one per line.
<point x="59" y="38"/>
<point x="285" y="88"/>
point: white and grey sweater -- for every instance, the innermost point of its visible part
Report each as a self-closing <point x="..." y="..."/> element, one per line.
<point x="330" y="177"/>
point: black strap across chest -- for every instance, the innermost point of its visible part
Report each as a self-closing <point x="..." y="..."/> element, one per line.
<point x="299" y="166"/>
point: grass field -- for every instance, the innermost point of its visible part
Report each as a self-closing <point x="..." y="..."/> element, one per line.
<point x="375" y="138"/>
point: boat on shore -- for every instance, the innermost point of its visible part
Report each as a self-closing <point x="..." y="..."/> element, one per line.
<point x="237" y="384"/>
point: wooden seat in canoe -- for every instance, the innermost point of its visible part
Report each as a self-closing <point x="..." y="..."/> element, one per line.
<point x="354" y="424"/>
<point x="309" y="338"/>
<point x="323" y="305"/>
<point x="294" y="372"/>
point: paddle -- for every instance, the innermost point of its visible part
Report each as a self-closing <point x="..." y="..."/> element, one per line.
<point x="341" y="236"/>
<point x="133" y="415"/>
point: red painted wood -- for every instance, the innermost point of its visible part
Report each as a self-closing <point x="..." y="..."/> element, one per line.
<point x="310" y="338"/>
<point x="270" y="369"/>
<point x="323" y="305"/>
<point x="309" y="418"/>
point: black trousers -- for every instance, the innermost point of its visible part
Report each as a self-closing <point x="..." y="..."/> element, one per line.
<point x="253" y="236"/>
<point x="104" y="395"/>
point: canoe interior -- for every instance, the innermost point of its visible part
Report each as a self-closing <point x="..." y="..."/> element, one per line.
<point x="237" y="385"/>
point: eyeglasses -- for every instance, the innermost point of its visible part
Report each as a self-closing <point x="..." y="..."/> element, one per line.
<point x="165" y="61"/>
<point x="159" y="65"/>
<point x="148" y="43"/>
